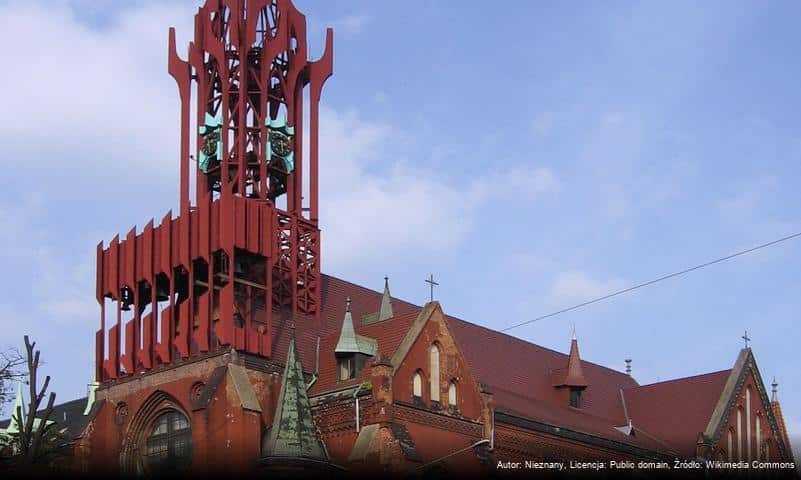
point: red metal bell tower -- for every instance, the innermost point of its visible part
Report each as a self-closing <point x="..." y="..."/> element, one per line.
<point x="250" y="244"/>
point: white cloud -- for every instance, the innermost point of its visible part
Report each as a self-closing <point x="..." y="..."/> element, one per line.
<point x="61" y="285"/>
<point x="579" y="286"/>
<point x="103" y="95"/>
<point x="370" y="213"/>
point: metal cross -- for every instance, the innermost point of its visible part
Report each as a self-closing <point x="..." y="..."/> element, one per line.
<point x="746" y="338"/>
<point x="431" y="281"/>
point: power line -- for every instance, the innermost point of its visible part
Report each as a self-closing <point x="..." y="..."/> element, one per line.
<point x="656" y="280"/>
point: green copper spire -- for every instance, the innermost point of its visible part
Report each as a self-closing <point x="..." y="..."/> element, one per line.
<point x="91" y="397"/>
<point x="293" y="433"/>
<point x="349" y="341"/>
<point x="19" y="406"/>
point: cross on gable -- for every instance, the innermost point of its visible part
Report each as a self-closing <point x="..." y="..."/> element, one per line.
<point x="746" y="338"/>
<point x="432" y="283"/>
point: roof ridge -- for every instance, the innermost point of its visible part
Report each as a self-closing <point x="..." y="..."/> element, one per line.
<point x="680" y="379"/>
<point x="526" y="342"/>
<point x="498" y="332"/>
<point x="565" y="407"/>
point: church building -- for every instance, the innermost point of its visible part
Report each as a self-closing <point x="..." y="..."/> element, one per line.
<point x="223" y="347"/>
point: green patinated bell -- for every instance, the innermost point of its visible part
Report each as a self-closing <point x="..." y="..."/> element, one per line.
<point x="281" y="142"/>
<point x="211" y="148"/>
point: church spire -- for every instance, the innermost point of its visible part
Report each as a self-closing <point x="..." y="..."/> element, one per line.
<point x="777" y="413"/>
<point x="293" y="433"/>
<point x="385" y="313"/>
<point x="349" y="341"/>
<point x="17" y="419"/>
<point x="575" y="375"/>
<point x="774" y="398"/>
<point x="347" y="336"/>
<point x="91" y="395"/>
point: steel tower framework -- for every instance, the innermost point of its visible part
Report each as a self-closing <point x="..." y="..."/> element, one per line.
<point x="249" y="245"/>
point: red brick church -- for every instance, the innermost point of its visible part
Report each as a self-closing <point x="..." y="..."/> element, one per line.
<point x="222" y="346"/>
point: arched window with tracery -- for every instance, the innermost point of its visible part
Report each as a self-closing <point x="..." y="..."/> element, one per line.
<point x="434" y="372"/>
<point x="168" y="445"/>
<point x="417" y="385"/>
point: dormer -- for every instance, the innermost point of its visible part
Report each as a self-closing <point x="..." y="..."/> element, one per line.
<point x="572" y="379"/>
<point x="352" y="350"/>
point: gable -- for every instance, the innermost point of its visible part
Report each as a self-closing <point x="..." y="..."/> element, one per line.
<point x="745" y="392"/>
<point x="414" y="355"/>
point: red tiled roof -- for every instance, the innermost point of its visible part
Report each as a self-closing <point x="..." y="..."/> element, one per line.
<point x="528" y="368"/>
<point x="524" y="385"/>
<point x="388" y="334"/>
<point x="677" y="410"/>
<point x="573" y="419"/>
<point x="334" y="293"/>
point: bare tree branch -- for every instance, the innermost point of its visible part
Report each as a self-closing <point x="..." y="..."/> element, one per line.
<point x="31" y="433"/>
<point x="11" y="361"/>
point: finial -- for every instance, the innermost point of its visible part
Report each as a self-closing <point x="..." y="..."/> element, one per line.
<point x="386" y="280"/>
<point x="628" y="367"/>
<point x="574" y="331"/>
<point x="775" y="390"/>
<point x="746" y="338"/>
<point x="347" y="304"/>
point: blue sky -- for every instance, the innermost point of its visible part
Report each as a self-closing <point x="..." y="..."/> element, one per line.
<point x="532" y="156"/>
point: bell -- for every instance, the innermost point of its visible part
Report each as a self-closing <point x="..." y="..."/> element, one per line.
<point x="125" y="298"/>
<point x="162" y="294"/>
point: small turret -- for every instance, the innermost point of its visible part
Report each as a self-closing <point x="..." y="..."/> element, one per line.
<point x="352" y="350"/>
<point x="573" y="377"/>
<point x="385" y="313"/>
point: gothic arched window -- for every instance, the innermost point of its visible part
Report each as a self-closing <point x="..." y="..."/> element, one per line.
<point x="417" y="385"/>
<point x="758" y="428"/>
<point x="168" y="447"/>
<point x="749" y="433"/>
<point x="434" y="372"/>
<point x="739" y="434"/>
<point x="452" y="394"/>
<point x="730" y="444"/>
